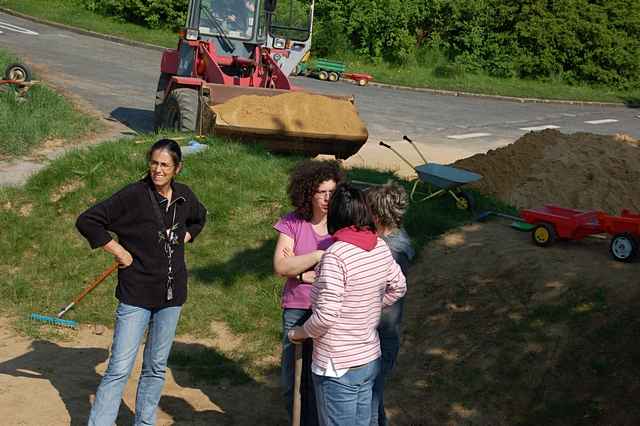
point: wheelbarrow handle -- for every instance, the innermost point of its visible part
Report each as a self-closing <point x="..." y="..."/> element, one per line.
<point x="397" y="153"/>
<point x="406" y="138"/>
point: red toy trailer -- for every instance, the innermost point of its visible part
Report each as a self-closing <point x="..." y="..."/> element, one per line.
<point x="625" y="230"/>
<point x="553" y="222"/>
<point x="360" y="78"/>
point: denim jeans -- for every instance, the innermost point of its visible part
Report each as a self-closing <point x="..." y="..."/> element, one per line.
<point x="346" y="400"/>
<point x="309" y="414"/>
<point x="131" y="322"/>
<point x="389" y="333"/>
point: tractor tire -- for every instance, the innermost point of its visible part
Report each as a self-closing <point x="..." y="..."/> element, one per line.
<point x="333" y="76"/>
<point x="180" y="110"/>
<point x="623" y="248"/>
<point x="18" y="72"/>
<point x="323" y="75"/>
<point x="158" y="108"/>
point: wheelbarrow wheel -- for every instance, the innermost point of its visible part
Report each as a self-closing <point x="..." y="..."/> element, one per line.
<point x="623" y="247"/>
<point x="18" y="72"/>
<point x="466" y="201"/>
<point x="544" y="234"/>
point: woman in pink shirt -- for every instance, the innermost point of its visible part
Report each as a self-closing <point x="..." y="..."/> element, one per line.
<point x="356" y="277"/>
<point x="302" y="239"/>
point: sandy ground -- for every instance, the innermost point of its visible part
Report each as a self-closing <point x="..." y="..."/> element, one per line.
<point x="496" y="329"/>
<point x="53" y="383"/>
<point x="499" y="331"/>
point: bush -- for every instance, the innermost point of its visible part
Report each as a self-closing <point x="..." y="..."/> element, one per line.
<point x="580" y="41"/>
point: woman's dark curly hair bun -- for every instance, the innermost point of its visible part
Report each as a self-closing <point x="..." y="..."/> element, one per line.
<point x="304" y="181"/>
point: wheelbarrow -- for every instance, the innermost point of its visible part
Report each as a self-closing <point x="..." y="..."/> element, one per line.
<point x="19" y="76"/>
<point x="439" y="179"/>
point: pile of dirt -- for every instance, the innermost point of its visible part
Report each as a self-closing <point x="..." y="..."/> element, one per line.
<point x="581" y="170"/>
<point x="295" y="112"/>
<point x="498" y="331"/>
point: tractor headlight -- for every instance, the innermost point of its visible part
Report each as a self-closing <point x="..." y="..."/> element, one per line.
<point x="192" y="34"/>
<point x="279" y="43"/>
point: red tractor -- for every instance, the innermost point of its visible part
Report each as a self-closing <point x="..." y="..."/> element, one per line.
<point x="222" y="54"/>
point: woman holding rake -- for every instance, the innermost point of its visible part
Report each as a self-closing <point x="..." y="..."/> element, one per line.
<point x="153" y="219"/>
<point x="302" y="239"/>
<point x="356" y="278"/>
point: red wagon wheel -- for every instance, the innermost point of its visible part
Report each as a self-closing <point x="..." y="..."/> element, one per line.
<point x="623" y="247"/>
<point x="544" y="234"/>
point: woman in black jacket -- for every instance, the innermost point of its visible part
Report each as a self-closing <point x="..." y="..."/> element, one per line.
<point x="152" y="219"/>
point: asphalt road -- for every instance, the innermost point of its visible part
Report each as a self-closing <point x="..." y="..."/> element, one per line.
<point x="119" y="81"/>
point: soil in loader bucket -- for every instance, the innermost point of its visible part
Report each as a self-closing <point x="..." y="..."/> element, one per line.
<point x="299" y="122"/>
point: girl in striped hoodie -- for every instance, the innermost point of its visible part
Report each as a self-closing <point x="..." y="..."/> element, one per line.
<point x="356" y="277"/>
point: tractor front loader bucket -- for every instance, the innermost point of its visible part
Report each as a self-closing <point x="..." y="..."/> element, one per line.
<point x="283" y="120"/>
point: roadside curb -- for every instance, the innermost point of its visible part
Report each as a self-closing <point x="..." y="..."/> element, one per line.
<point x="441" y="92"/>
<point x="82" y="31"/>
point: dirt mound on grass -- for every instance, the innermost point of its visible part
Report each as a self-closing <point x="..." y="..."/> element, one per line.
<point x="297" y="112"/>
<point x="498" y="331"/>
<point x="581" y="170"/>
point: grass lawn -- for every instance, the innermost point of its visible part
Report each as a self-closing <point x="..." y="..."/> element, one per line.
<point x="40" y="116"/>
<point x="427" y="76"/>
<point x="71" y="12"/>
<point x="44" y="262"/>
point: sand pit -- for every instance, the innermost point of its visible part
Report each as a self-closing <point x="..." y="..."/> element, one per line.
<point x="499" y="331"/>
<point x="581" y="170"/>
<point x="295" y="112"/>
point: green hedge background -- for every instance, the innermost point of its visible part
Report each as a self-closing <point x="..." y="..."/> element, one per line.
<point x="576" y="41"/>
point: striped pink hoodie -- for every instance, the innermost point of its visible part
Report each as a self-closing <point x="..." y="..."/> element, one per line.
<point x="351" y="287"/>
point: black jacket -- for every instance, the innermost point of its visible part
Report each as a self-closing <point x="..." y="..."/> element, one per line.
<point x="130" y="216"/>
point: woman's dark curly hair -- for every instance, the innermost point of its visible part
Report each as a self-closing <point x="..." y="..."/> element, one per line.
<point x="304" y="181"/>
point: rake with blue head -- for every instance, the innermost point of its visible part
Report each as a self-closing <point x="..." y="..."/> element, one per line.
<point x="58" y="320"/>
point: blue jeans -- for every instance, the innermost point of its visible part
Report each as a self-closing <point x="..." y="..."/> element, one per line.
<point x="346" y="400"/>
<point x="131" y="322"/>
<point x="309" y="414"/>
<point x="389" y="333"/>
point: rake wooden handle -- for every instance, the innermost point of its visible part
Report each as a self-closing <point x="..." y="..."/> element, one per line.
<point x="90" y="287"/>
<point x="297" y="404"/>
